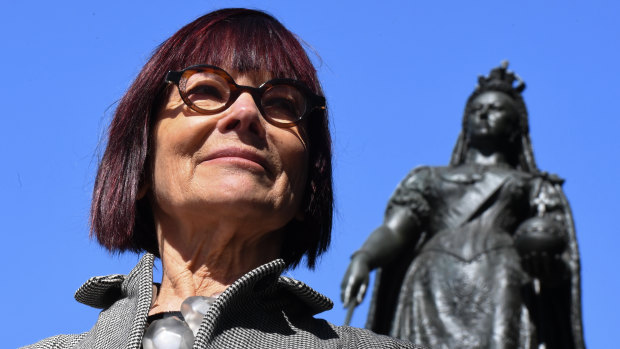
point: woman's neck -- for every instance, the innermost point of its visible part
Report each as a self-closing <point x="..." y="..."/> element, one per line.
<point x="203" y="262"/>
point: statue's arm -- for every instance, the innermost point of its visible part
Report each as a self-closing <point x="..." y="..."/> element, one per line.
<point x="399" y="231"/>
<point x="401" y="228"/>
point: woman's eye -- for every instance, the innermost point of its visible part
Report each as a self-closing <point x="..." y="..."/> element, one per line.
<point x="280" y="108"/>
<point x="283" y="104"/>
<point x="205" y="92"/>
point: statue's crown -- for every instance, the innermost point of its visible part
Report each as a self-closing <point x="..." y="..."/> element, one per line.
<point x="501" y="76"/>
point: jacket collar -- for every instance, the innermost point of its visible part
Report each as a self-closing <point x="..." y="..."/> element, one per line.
<point x="103" y="291"/>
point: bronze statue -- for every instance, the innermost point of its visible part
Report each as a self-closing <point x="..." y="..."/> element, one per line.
<point x="481" y="253"/>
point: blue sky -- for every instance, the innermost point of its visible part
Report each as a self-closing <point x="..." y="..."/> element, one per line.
<point x="66" y="63"/>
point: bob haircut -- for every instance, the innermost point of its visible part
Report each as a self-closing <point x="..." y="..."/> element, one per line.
<point x="239" y="39"/>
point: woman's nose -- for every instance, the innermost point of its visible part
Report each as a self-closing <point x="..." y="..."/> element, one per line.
<point x="242" y="116"/>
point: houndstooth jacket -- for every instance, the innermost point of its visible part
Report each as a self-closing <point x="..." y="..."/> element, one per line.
<point x="260" y="310"/>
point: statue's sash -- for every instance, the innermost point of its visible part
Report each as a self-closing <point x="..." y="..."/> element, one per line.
<point x="482" y="191"/>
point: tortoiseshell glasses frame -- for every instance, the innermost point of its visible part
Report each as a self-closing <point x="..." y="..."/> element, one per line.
<point x="209" y="90"/>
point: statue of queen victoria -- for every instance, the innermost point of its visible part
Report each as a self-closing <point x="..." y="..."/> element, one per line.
<point x="481" y="253"/>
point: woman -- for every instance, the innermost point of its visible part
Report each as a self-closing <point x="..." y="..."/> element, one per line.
<point x="479" y="254"/>
<point x="218" y="162"/>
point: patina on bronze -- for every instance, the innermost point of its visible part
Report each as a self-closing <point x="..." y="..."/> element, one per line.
<point x="481" y="253"/>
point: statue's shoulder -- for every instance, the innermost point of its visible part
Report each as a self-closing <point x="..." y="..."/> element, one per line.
<point x="542" y="179"/>
<point x="419" y="176"/>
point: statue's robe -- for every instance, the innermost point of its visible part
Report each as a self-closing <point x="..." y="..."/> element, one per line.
<point x="462" y="285"/>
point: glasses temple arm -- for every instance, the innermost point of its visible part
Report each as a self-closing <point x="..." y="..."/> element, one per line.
<point x="174" y="76"/>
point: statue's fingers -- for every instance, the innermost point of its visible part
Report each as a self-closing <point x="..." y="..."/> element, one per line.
<point x="343" y="289"/>
<point x="344" y="296"/>
<point x="345" y="286"/>
<point x="349" y="291"/>
<point x="362" y="292"/>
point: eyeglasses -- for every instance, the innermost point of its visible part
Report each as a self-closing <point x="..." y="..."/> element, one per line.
<point x="208" y="90"/>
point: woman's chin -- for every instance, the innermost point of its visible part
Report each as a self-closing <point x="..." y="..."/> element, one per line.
<point x="245" y="212"/>
<point x="240" y="199"/>
<point x="238" y="185"/>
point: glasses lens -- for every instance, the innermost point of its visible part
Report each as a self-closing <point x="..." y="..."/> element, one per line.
<point x="283" y="103"/>
<point x="207" y="90"/>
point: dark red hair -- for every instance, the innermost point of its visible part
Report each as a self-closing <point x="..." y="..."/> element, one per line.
<point x="242" y="40"/>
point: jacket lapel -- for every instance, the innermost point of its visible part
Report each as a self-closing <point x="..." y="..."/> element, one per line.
<point x="126" y="301"/>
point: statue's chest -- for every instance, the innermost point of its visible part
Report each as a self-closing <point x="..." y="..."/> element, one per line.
<point x="462" y="193"/>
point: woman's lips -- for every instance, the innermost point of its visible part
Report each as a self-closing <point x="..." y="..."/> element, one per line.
<point x="238" y="156"/>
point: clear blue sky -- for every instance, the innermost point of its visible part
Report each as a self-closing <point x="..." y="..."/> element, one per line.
<point x="66" y="63"/>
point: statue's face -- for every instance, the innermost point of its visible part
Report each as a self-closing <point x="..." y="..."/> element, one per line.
<point x="492" y="116"/>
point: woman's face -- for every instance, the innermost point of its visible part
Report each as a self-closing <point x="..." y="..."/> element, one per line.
<point x="492" y="115"/>
<point x="233" y="165"/>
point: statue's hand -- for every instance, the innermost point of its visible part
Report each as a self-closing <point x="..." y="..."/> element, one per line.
<point x="542" y="265"/>
<point x="540" y="243"/>
<point x="355" y="281"/>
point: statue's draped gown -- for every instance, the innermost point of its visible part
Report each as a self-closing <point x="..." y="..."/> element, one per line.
<point x="464" y="286"/>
